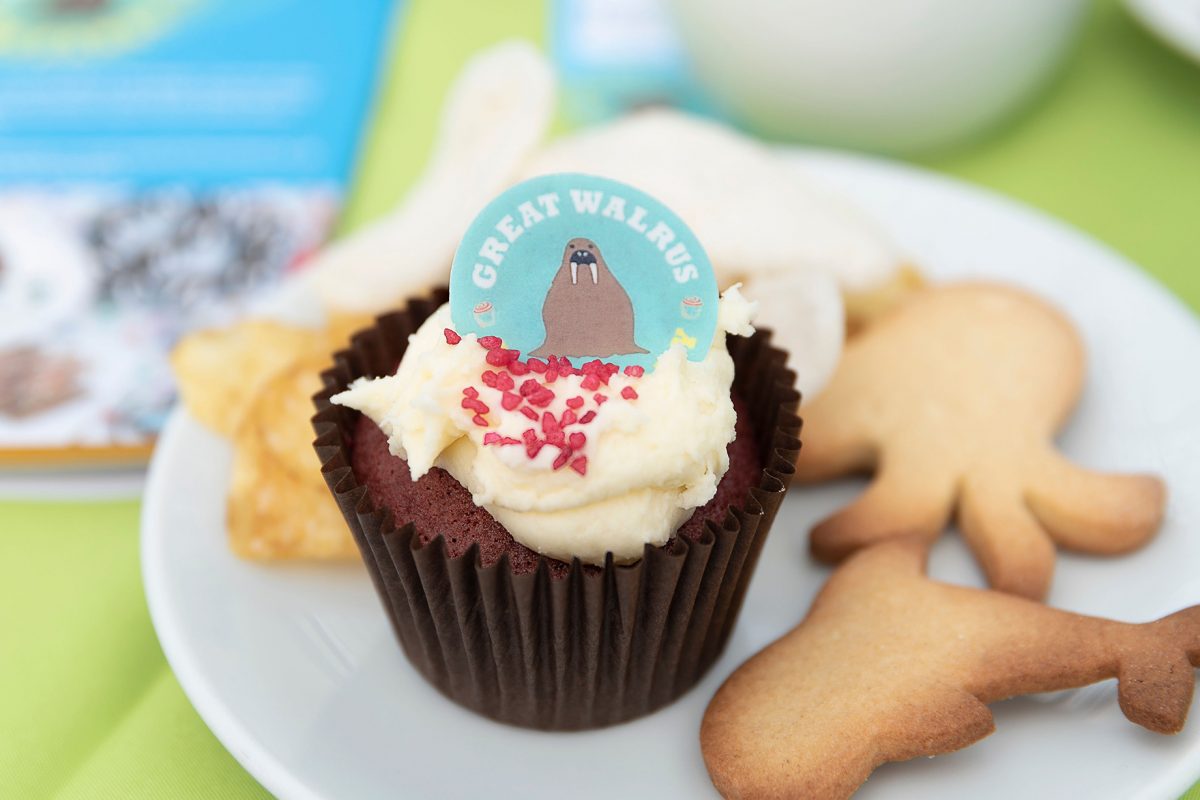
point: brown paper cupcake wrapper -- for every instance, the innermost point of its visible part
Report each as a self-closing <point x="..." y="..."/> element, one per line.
<point x="586" y="650"/>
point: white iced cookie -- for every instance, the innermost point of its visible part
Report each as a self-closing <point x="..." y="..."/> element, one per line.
<point x="792" y="243"/>
<point x="497" y="112"/>
<point x="754" y="213"/>
<point x="804" y="309"/>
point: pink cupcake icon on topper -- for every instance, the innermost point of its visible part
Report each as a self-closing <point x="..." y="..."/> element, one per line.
<point x="690" y="307"/>
<point x="485" y="314"/>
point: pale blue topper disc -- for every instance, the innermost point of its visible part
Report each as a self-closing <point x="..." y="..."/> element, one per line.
<point x="583" y="267"/>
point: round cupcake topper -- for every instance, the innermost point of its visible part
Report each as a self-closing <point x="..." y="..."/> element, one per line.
<point x="583" y="267"/>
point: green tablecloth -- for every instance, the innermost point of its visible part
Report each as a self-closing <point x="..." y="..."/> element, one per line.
<point x="88" y="706"/>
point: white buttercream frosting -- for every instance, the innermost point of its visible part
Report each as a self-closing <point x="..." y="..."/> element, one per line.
<point x="650" y="460"/>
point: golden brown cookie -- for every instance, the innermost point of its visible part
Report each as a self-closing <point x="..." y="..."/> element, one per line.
<point x="953" y="400"/>
<point x="278" y="504"/>
<point x="219" y="371"/>
<point x="890" y="665"/>
<point x="253" y="382"/>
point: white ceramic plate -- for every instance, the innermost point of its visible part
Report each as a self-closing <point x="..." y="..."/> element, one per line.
<point x="296" y="671"/>
<point x="1176" y="22"/>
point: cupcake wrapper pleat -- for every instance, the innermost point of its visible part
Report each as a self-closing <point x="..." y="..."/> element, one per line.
<point x="581" y="651"/>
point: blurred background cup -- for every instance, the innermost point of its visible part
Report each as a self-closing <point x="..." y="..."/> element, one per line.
<point x="901" y="76"/>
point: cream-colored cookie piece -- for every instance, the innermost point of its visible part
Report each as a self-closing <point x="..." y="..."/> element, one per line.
<point x="761" y="221"/>
<point x="890" y="665"/>
<point x="754" y="213"/>
<point x="496" y="114"/>
<point x="952" y="400"/>
<point x="804" y="310"/>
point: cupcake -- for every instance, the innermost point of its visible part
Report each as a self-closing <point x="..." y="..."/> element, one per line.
<point x="560" y="541"/>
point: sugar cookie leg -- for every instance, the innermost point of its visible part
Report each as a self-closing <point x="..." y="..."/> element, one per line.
<point x="901" y="501"/>
<point x="832" y="446"/>
<point x="1016" y="554"/>
<point x="1095" y="512"/>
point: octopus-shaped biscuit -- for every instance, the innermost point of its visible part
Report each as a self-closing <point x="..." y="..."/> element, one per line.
<point x="890" y="665"/>
<point x="953" y="400"/>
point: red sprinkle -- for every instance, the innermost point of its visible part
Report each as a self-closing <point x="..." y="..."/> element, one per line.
<point x="563" y="457"/>
<point x="517" y="368"/>
<point x="533" y="445"/>
<point x="577" y="440"/>
<point x="510" y="401"/>
<point x="529" y="412"/>
<point x="478" y="406"/>
<point x="634" y="371"/>
<point x="489" y="378"/>
<point x="471" y="392"/>
<point x="551" y="374"/>
<point x="529" y="386"/>
<point x="541" y="398"/>
<point x="580" y="465"/>
<point x="489" y="342"/>
<point x="479" y="420"/>
<point x="628" y="393"/>
<point x="451" y="336"/>
<point x="554" y="434"/>
<point x="590" y="383"/>
<point x="504" y="382"/>
<point x="491" y="437"/>
<point x="600" y="398"/>
<point x="588" y="417"/>
<point x="501" y="357"/>
<point x="575" y="402"/>
<point x="537" y="365"/>
<point x="568" y="418"/>
<point x="509" y="440"/>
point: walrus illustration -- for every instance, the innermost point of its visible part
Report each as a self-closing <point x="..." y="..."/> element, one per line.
<point x="586" y="310"/>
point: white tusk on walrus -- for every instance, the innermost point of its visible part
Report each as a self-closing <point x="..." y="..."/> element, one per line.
<point x="574" y="273"/>
<point x="592" y="266"/>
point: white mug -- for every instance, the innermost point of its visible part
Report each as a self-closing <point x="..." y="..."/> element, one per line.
<point x="894" y="75"/>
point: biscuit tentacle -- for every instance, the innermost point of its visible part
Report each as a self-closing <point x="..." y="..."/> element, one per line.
<point x="1094" y="512"/>
<point x="1016" y="554"/>
<point x="899" y="502"/>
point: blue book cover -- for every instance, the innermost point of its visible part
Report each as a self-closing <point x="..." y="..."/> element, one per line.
<point x="162" y="162"/>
